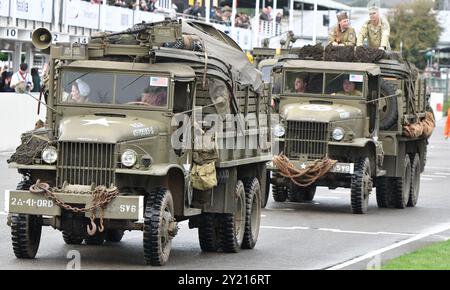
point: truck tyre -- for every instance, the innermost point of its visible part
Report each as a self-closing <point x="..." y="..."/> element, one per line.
<point x="208" y="233"/>
<point x="26" y="235"/>
<point x="389" y="106"/>
<point x="265" y="198"/>
<point x="232" y="226"/>
<point x="252" y="213"/>
<point x="70" y="239"/>
<point x="402" y="186"/>
<point x="158" y="227"/>
<point x="25" y="230"/>
<point x="361" y="186"/>
<point x="415" y="182"/>
<point x="383" y="192"/>
<point x="279" y="191"/>
<point x="114" y="236"/>
<point x="96" y="240"/>
<point x="299" y="194"/>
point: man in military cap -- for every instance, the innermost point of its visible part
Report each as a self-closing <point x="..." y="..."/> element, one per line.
<point x="376" y="30"/>
<point x="342" y="34"/>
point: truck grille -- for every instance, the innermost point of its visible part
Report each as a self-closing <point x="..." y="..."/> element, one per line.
<point x="306" y="140"/>
<point x="86" y="163"/>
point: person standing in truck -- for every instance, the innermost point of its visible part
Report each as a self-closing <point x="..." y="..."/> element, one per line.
<point x="376" y="30"/>
<point x="342" y="34"/>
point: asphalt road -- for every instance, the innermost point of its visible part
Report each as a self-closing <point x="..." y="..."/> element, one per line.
<point x="320" y="235"/>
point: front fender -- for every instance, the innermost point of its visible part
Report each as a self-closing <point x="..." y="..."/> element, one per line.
<point x="358" y="142"/>
<point x="154" y="170"/>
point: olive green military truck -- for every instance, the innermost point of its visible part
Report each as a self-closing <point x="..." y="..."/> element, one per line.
<point x="346" y="124"/>
<point x="128" y="142"/>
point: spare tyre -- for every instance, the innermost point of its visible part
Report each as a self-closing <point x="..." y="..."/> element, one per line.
<point x="388" y="106"/>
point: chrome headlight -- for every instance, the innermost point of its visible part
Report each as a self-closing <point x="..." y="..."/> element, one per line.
<point x="279" y="131"/>
<point x="129" y="158"/>
<point x="49" y="155"/>
<point x="338" y="134"/>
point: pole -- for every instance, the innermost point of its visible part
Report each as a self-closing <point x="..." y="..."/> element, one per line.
<point x="233" y="19"/>
<point x="103" y="15"/>
<point x="446" y="85"/>
<point x="274" y="20"/>
<point x="208" y="11"/>
<point x="314" y="36"/>
<point x="291" y="15"/>
<point x="256" y="25"/>
<point x="57" y="11"/>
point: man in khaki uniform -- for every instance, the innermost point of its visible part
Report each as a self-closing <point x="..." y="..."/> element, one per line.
<point x="349" y="89"/>
<point x="342" y="34"/>
<point x="376" y="31"/>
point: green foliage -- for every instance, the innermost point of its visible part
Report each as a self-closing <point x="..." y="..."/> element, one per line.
<point x="446" y="106"/>
<point x="436" y="257"/>
<point x="3" y="56"/>
<point x="416" y="25"/>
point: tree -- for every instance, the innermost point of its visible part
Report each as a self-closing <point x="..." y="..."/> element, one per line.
<point x="417" y="27"/>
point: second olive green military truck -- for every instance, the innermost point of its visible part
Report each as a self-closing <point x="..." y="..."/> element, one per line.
<point x="346" y="124"/>
<point x="120" y="147"/>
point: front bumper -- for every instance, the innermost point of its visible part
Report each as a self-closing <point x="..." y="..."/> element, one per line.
<point x="25" y="202"/>
<point x="339" y="168"/>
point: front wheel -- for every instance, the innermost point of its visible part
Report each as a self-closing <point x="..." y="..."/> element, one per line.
<point x="159" y="227"/>
<point x="361" y="187"/>
<point x="26" y="235"/>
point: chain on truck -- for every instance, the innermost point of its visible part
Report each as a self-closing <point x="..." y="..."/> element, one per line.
<point x="119" y="150"/>
<point x="353" y="124"/>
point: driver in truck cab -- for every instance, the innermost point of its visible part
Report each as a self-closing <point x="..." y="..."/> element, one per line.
<point x="155" y="96"/>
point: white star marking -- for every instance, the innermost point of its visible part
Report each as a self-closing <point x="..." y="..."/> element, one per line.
<point x="101" y="122"/>
<point x="303" y="166"/>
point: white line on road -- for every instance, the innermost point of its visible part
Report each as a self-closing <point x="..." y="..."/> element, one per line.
<point x="341" y="191"/>
<point x="337" y="231"/>
<point x="330" y="197"/>
<point x="426" y="179"/>
<point x="433" y="176"/>
<point x="280" y="209"/>
<point x="436" y="167"/>
<point x="431" y="232"/>
<point x="443" y="173"/>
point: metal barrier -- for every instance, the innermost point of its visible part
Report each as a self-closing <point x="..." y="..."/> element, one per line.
<point x="19" y="115"/>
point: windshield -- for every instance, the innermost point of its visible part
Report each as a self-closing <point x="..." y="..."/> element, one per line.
<point x="342" y="84"/>
<point x="115" y="88"/>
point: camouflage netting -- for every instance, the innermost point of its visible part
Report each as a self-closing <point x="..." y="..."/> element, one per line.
<point x="33" y="143"/>
<point x="309" y="52"/>
<point x="368" y="55"/>
<point x="339" y="53"/>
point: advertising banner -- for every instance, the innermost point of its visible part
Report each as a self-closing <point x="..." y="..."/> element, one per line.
<point x="116" y="18"/>
<point x="38" y="10"/>
<point x="140" y="16"/>
<point x="4" y="8"/>
<point x="82" y="14"/>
